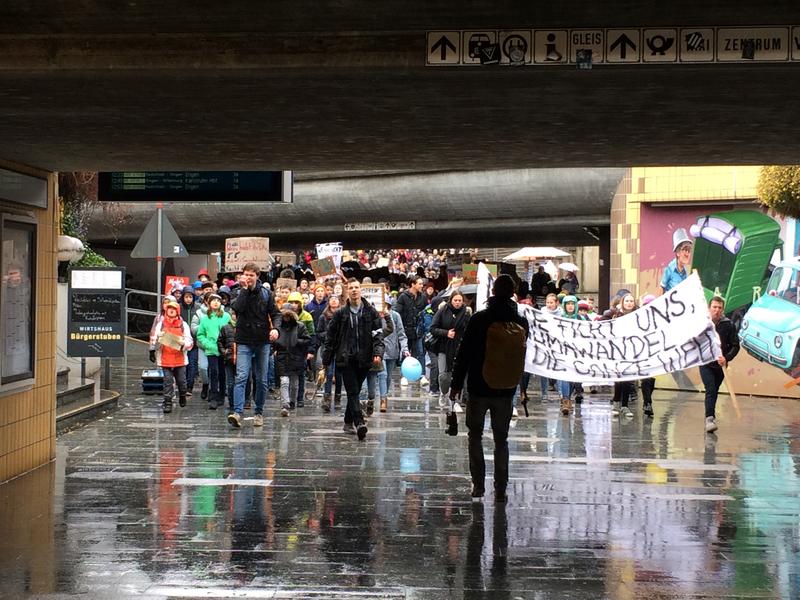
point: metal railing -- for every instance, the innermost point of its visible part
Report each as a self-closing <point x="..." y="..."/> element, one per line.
<point x="140" y="313"/>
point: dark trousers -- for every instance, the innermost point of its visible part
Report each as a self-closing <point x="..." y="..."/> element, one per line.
<point x="648" y="385"/>
<point x="623" y="390"/>
<point x="192" y="368"/>
<point x="500" y="412"/>
<point x="353" y="376"/>
<point x="230" y="379"/>
<point x="216" y="379"/>
<point x="173" y="375"/>
<point x="712" y="376"/>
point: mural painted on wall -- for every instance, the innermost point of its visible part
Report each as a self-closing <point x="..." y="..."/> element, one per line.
<point x="739" y="255"/>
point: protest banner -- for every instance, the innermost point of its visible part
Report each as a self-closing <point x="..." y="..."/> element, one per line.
<point x="375" y="295"/>
<point x="672" y="333"/>
<point x="469" y="272"/>
<point x="332" y="250"/>
<point x="242" y="250"/>
<point x="485" y="283"/>
<point x="324" y="268"/>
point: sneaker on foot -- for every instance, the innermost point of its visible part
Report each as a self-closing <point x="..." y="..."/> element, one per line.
<point x="235" y="420"/>
<point x="166" y="406"/>
<point x="514" y="413"/>
<point x="212" y="405"/>
<point x="423" y="380"/>
<point x="403" y="381"/>
<point x="285" y="411"/>
<point x="361" y="430"/>
<point x="648" y="409"/>
<point x="711" y="424"/>
<point x="182" y="401"/>
<point x="370" y="407"/>
<point x="457" y="408"/>
<point x="258" y="421"/>
<point x="204" y="392"/>
<point x="626" y="412"/>
<point x="442" y="401"/>
<point x="615" y="409"/>
<point x="349" y="428"/>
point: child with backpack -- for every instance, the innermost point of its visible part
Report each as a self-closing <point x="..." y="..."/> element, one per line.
<point x="170" y="343"/>
<point x="227" y="351"/>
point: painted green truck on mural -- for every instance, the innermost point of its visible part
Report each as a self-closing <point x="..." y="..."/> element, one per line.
<point x="732" y="254"/>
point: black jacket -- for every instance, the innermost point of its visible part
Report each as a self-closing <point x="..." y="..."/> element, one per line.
<point x="225" y="344"/>
<point x="443" y="321"/>
<point x="256" y="315"/>
<point x="471" y="351"/>
<point x="729" y="340"/>
<point x="291" y="348"/>
<point x="343" y="341"/>
<point x="410" y="310"/>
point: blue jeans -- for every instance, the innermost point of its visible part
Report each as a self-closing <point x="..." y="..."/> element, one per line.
<point x="564" y="388"/>
<point x="329" y="375"/>
<point x="244" y="360"/>
<point x="385" y="376"/>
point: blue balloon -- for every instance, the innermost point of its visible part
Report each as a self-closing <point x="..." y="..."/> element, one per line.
<point x="411" y="369"/>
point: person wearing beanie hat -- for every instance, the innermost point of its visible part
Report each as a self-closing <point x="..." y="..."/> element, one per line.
<point x="677" y="269"/>
<point x="316" y="306"/>
<point x="170" y="341"/>
<point x="295" y="300"/>
<point x="291" y="349"/>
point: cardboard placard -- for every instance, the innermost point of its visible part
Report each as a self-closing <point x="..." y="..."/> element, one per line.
<point x="286" y="281"/>
<point x="470" y="272"/>
<point x="242" y="250"/>
<point x="375" y="295"/>
<point x="324" y="268"/>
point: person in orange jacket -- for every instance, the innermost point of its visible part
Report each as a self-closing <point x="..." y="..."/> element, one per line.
<point x="170" y="342"/>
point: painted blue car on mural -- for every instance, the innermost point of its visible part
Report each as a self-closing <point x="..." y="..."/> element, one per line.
<point x="771" y="327"/>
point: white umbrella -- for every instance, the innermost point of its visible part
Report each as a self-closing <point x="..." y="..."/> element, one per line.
<point x="568" y="266"/>
<point x="536" y="252"/>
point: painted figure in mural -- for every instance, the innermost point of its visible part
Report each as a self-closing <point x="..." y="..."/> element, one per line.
<point x="677" y="269"/>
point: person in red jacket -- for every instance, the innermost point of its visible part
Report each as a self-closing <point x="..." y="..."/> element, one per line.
<point x="170" y="342"/>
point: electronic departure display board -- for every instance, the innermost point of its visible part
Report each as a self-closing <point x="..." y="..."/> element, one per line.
<point x="195" y="186"/>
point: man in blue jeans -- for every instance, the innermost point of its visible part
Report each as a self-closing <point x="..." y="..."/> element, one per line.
<point x="257" y="322"/>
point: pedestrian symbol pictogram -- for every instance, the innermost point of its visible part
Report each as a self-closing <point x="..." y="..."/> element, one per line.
<point x="550" y="47"/>
<point x="444" y="48"/>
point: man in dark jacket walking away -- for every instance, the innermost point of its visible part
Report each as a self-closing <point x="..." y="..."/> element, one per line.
<point x="257" y="322"/>
<point x="354" y="339"/>
<point x="409" y="306"/>
<point x="712" y="374"/>
<point x="470" y="359"/>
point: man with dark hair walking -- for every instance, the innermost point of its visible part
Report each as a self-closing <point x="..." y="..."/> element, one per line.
<point x="712" y="373"/>
<point x="354" y="340"/>
<point x="257" y="322"/>
<point x="409" y="305"/>
<point x="491" y="355"/>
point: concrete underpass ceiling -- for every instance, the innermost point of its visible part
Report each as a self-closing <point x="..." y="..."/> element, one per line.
<point x="481" y="208"/>
<point x="335" y="87"/>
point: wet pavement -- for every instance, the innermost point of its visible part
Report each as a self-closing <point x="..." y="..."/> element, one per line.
<point x="182" y="506"/>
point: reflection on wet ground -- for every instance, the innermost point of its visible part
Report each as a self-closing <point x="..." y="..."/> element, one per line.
<point x="140" y="503"/>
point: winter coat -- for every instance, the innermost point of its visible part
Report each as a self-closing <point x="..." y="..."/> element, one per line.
<point x="448" y="318"/>
<point x="291" y="347"/>
<point x="256" y="315"/>
<point x="194" y="324"/>
<point x="359" y="337"/>
<point x="472" y="350"/>
<point x="410" y="311"/>
<point x="208" y="332"/>
<point x="187" y="310"/>
<point x="316" y="309"/>
<point x="225" y="344"/>
<point x="169" y="357"/>
<point x="395" y="343"/>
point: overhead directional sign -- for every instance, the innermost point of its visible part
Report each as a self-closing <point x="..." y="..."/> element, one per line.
<point x="444" y="48"/>
<point x="622" y="45"/>
<point x="611" y="46"/>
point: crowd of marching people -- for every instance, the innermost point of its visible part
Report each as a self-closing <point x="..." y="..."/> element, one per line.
<point x="251" y="335"/>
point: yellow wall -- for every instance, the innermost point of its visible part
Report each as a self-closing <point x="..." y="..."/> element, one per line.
<point x="28" y="418"/>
